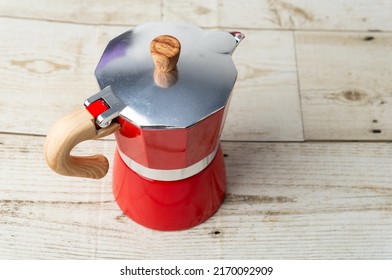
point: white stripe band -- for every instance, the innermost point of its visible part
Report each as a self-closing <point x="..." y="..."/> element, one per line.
<point x="171" y="174"/>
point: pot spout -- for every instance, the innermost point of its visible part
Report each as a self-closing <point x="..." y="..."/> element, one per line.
<point x="238" y="36"/>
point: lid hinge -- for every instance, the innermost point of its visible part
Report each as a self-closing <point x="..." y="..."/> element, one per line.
<point x="111" y="102"/>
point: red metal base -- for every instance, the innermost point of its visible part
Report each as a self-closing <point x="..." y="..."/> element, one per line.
<point x="174" y="205"/>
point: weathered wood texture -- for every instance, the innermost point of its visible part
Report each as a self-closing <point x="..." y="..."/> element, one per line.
<point x="55" y="62"/>
<point x="325" y="200"/>
<point x="277" y="14"/>
<point x="47" y="71"/>
<point x="293" y="200"/>
<point x="345" y="84"/>
<point x="265" y="103"/>
<point x="115" y="12"/>
<point x="52" y="77"/>
<point x="360" y="15"/>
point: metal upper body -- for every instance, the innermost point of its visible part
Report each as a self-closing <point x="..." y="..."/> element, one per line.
<point x="204" y="78"/>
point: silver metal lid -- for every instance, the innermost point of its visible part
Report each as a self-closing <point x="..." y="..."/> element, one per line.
<point x="203" y="83"/>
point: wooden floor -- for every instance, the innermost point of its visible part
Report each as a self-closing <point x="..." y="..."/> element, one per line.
<point x="307" y="138"/>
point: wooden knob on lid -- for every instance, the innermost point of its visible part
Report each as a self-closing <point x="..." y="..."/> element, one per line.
<point x="165" y="51"/>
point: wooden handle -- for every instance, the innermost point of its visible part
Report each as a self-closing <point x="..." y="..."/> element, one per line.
<point x="65" y="134"/>
<point x="165" y="51"/>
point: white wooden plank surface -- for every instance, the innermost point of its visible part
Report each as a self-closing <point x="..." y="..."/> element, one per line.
<point x="325" y="200"/>
<point x="285" y="200"/>
<point x="47" y="71"/>
<point x="266" y="87"/>
<point x="55" y="62"/>
<point x="345" y="84"/>
<point x="361" y="15"/>
<point x="114" y="12"/>
<point x="48" y="68"/>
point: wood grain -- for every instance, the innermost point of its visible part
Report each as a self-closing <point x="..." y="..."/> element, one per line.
<point x="359" y="15"/>
<point x="60" y="72"/>
<point x="165" y="51"/>
<point x="68" y="132"/>
<point x="116" y="12"/>
<point x="312" y="200"/>
<point x="284" y="200"/>
<point x="345" y="85"/>
<point x="265" y="103"/>
<point x="47" y="71"/>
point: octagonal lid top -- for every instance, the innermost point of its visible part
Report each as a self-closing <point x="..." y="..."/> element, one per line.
<point x="172" y="81"/>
